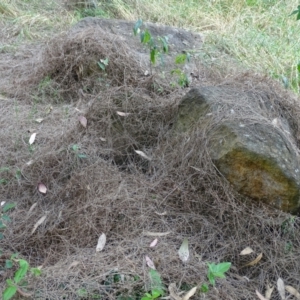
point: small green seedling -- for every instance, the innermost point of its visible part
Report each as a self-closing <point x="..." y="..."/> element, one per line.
<point x="157" y="287"/>
<point x="296" y="12"/>
<point x="4" y="217"/>
<point x="217" y="270"/>
<point x="75" y="148"/>
<point x="103" y="63"/>
<point x="156" y="46"/>
<point x="13" y="285"/>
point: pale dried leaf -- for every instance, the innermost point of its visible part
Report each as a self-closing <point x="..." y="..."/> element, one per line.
<point x="83" y="121"/>
<point x="42" y="188"/>
<point x="102" y="139"/>
<point x="275" y="122"/>
<point x="280" y="288"/>
<point x="260" y="296"/>
<point x="161" y="214"/>
<point x="269" y="292"/>
<point x="123" y="114"/>
<point x="32" y="138"/>
<point x="39" y="120"/>
<point x="183" y="251"/>
<point x="149" y="233"/>
<point x="29" y="163"/>
<point x="154" y="243"/>
<point x="48" y="110"/>
<point x="32" y="207"/>
<point x="2" y="203"/>
<point x="38" y="223"/>
<point x="255" y="261"/>
<point x="101" y="242"/>
<point x="150" y="263"/>
<point x="172" y="288"/>
<point x="246" y="251"/>
<point x="293" y="291"/>
<point x="190" y="293"/>
<point x="142" y="154"/>
<point x="73" y="264"/>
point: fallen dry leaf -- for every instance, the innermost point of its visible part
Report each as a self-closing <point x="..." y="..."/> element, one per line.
<point x="190" y="293"/>
<point x="246" y="251"/>
<point x="172" y="288"/>
<point x="149" y="233"/>
<point x="2" y="203"/>
<point x="42" y="188"/>
<point x="123" y="114"/>
<point x="183" y="251"/>
<point x="142" y="154"/>
<point x="101" y="242"/>
<point x="102" y="139"/>
<point x="154" y="243"/>
<point x="280" y="288"/>
<point x="161" y="214"/>
<point x="255" y="261"/>
<point x="292" y="291"/>
<point x="150" y="263"/>
<point x="269" y="292"/>
<point x="260" y="296"/>
<point x="32" y="138"/>
<point x="83" y="121"/>
<point x="38" y="223"/>
<point x="73" y="264"/>
<point x="32" y="207"/>
<point x="39" y="120"/>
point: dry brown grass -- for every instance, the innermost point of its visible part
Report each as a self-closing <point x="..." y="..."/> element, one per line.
<point x="115" y="191"/>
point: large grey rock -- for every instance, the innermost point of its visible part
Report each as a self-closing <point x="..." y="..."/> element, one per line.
<point x="250" y="142"/>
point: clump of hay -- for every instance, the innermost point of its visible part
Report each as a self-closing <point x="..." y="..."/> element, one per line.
<point x="114" y="190"/>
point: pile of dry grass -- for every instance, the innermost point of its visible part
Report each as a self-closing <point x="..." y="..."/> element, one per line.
<point x="114" y="190"/>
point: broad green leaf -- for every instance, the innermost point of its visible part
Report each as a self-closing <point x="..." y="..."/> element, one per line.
<point x="8" y="206"/>
<point x="211" y="278"/>
<point x="155" y="293"/>
<point x="137" y="26"/>
<point x="296" y="12"/>
<point x="153" y="54"/>
<point x="36" y="271"/>
<point x="102" y="67"/>
<point x="6" y="218"/>
<point x="156" y="283"/>
<point x="298" y="67"/>
<point x="222" y="268"/>
<point x="204" y="288"/>
<point x="180" y="58"/>
<point x="146" y="37"/>
<point x="165" y="46"/>
<point x="21" y="273"/>
<point x="9" y="292"/>
<point x="2" y="226"/>
<point x="8" y="264"/>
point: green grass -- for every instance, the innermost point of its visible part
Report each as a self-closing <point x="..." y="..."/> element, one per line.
<point x="259" y="34"/>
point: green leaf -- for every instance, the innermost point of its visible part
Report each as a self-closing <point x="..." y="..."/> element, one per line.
<point x="146" y="37"/>
<point x="180" y="58"/>
<point x="221" y="268"/>
<point x="146" y="297"/>
<point x="9" y="292"/>
<point x="211" y="278"/>
<point x="2" y="226"/>
<point x="105" y="61"/>
<point x="6" y="218"/>
<point x="102" y="67"/>
<point x="153" y="54"/>
<point x="137" y="26"/>
<point x="8" y="264"/>
<point x="156" y="283"/>
<point x="21" y="273"/>
<point x="1" y="236"/>
<point x="298" y="67"/>
<point x="165" y="46"/>
<point x="36" y="271"/>
<point x="82" y="156"/>
<point x="296" y="12"/>
<point x="155" y="293"/>
<point x="204" y="288"/>
<point x="8" y="206"/>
